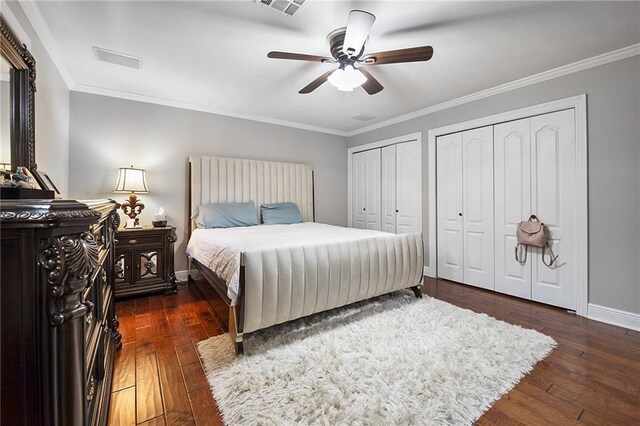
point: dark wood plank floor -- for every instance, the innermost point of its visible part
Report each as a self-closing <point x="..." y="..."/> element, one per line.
<point x="592" y="377"/>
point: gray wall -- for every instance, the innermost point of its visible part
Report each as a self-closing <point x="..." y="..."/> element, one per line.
<point x="52" y="111"/>
<point x="613" y="105"/>
<point x="108" y="133"/>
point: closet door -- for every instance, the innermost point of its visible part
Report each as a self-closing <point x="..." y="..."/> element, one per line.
<point x="359" y="189"/>
<point x="512" y="168"/>
<point x="408" y="187"/>
<point x="477" y="207"/>
<point x="388" y="154"/>
<point x="553" y="160"/>
<point x="372" y="204"/>
<point x="449" y="198"/>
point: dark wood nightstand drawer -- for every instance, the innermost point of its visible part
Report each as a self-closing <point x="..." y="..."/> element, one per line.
<point x="138" y="240"/>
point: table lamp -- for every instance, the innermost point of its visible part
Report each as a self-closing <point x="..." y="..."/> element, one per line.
<point x="132" y="180"/>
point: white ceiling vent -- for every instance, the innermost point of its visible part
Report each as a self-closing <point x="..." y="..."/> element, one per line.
<point x="288" y="7"/>
<point x="117" y="58"/>
<point x="363" y="117"/>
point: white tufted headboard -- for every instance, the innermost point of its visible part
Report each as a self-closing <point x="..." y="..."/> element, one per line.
<point x="237" y="180"/>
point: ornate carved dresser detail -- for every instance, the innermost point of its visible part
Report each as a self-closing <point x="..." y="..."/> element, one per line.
<point x="59" y="329"/>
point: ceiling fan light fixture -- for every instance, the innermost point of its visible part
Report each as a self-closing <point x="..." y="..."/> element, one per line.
<point x="346" y="79"/>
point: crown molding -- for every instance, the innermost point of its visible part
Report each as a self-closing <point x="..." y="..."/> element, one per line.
<point x="43" y="32"/>
<point x="13" y="22"/>
<point x="605" y="58"/>
<point x="184" y="105"/>
<point x="41" y="28"/>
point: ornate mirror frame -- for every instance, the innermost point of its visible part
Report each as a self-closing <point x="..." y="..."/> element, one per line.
<point x="22" y="98"/>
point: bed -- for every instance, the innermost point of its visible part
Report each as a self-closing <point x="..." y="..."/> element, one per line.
<point x="270" y="274"/>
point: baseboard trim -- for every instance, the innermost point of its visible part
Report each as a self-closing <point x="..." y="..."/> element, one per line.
<point x="429" y="272"/>
<point x="614" y="316"/>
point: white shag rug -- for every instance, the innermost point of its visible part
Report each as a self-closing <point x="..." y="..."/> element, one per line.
<point x="395" y="360"/>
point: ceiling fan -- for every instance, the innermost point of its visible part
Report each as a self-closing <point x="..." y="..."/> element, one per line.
<point x="347" y="47"/>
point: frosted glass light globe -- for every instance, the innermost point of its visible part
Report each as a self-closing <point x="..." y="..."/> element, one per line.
<point x="347" y="79"/>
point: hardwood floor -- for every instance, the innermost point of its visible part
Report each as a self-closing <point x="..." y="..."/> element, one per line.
<point x="592" y="377"/>
<point x="158" y="376"/>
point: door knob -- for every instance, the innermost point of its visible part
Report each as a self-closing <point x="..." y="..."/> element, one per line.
<point x="459" y="214"/>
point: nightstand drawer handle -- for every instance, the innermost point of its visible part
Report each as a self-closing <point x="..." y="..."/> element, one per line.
<point x="133" y="241"/>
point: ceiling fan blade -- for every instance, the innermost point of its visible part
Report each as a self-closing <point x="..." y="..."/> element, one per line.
<point x="315" y="83"/>
<point x="412" y="54"/>
<point x="299" y="57"/>
<point x="371" y="86"/>
<point x="358" y="27"/>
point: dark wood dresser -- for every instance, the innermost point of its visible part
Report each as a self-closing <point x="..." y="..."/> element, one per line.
<point x="144" y="261"/>
<point x="59" y="329"/>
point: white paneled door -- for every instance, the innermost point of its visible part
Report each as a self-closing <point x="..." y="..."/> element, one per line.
<point x="389" y="188"/>
<point x="535" y="169"/>
<point x="359" y="189"/>
<point x="366" y="189"/>
<point x="512" y="165"/>
<point x="553" y="200"/>
<point x="408" y="188"/>
<point x="491" y="178"/>
<point x="477" y="207"/>
<point x="372" y="205"/>
<point x="449" y="199"/>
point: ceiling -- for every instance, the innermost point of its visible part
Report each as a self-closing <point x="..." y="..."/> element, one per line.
<point x="213" y="55"/>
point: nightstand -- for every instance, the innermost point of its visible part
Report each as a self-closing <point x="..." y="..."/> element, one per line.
<point x="144" y="261"/>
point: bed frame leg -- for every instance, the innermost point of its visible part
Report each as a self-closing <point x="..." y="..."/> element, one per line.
<point x="416" y="291"/>
<point x="236" y="335"/>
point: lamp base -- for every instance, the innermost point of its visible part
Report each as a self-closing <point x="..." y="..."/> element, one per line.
<point x="132" y="207"/>
<point x="133" y="224"/>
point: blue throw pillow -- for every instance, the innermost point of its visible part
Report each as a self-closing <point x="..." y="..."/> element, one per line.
<point x="280" y="213"/>
<point x="226" y="215"/>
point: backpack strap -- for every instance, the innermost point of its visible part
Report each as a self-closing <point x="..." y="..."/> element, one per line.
<point x="519" y="248"/>
<point x="552" y="257"/>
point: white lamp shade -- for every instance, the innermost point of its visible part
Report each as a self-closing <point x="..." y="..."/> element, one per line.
<point x="131" y="180"/>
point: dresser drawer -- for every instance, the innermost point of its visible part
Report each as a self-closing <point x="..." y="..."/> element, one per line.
<point x="93" y="382"/>
<point x="139" y="240"/>
<point x="107" y="295"/>
<point x="91" y="319"/>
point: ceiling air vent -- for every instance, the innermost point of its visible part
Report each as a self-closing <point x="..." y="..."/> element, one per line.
<point x="288" y="7"/>
<point x="363" y="117"/>
<point x="117" y="58"/>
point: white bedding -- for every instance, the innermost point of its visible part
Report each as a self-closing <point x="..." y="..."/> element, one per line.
<point x="219" y="249"/>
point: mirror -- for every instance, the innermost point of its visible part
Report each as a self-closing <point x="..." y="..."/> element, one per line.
<point x="18" y="86"/>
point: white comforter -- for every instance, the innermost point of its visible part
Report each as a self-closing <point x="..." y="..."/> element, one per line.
<point x="219" y="249"/>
